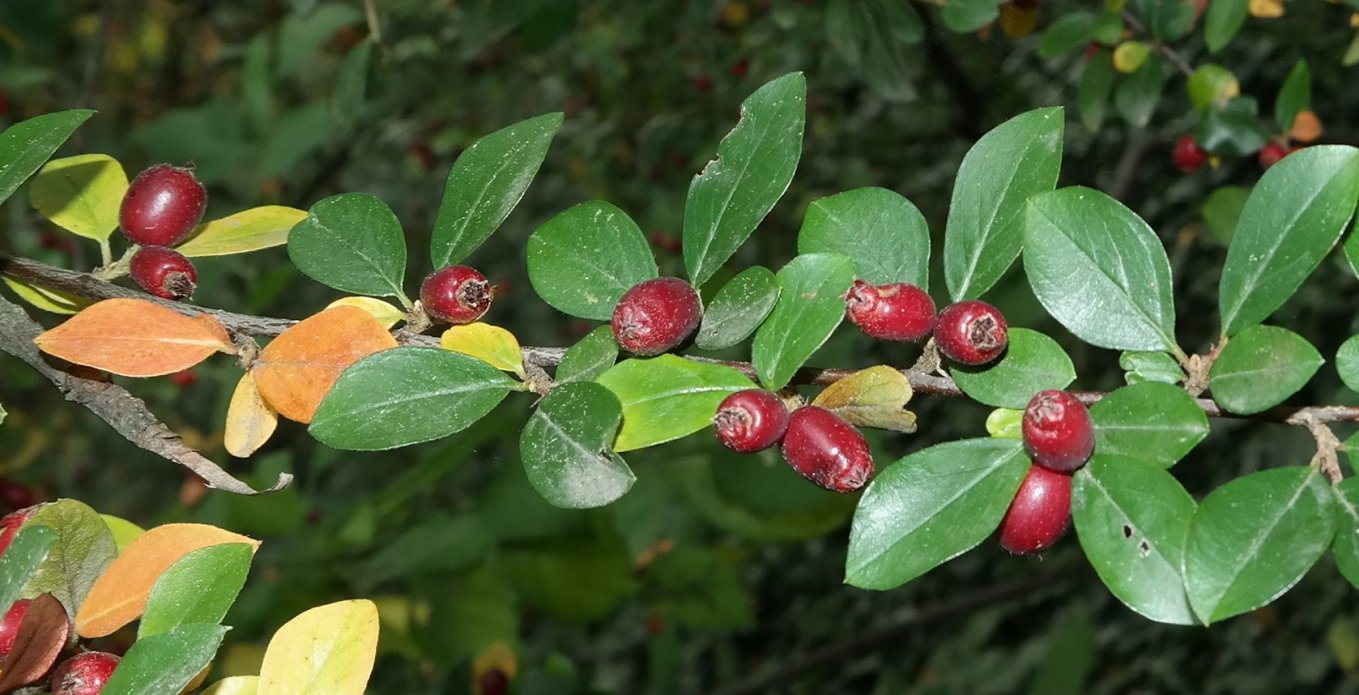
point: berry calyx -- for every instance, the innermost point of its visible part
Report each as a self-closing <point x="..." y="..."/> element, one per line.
<point x="9" y="626"/>
<point x="1039" y="513"/>
<point x="971" y="332"/>
<point x="1272" y="152"/>
<point x="750" y="421"/>
<point x="83" y="674"/>
<point x="1187" y="155"/>
<point x="826" y="450"/>
<point x="164" y="272"/>
<point x="1058" y="431"/>
<point x="162" y="206"/>
<point x="655" y="316"/>
<point x="896" y="311"/>
<point x="10" y="523"/>
<point x="457" y="294"/>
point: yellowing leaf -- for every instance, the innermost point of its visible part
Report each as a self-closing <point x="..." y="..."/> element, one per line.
<point x="250" y="422"/>
<point x="329" y="649"/>
<point x="497" y="656"/>
<point x="124" y="531"/>
<point x="385" y="312"/>
<point x="1018" y="22"/>
<point x="45" y="299"/>
<point x="873" y="397"/>
<point x="1306" y="127"/>
<point x="134" y="337"/>
<point x="235" y="685"/>
<point x="119" y="595"/>
<point x="490" y="344"/>
<point x="81" y="194"/>
<point x="297" y="369"/>
<point x="1130" y="55"/>
<point x="248" y="230"/>
<point x="1266" y="9"/>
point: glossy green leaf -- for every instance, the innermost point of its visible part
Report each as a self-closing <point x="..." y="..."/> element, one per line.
<point x="407" y="395"/>
<point x="1347" y="362"/>
<point x="1222" y="210"/>
<point x="486" y="184"/>
<point x="22" y="558"/>
<point x="582" y="260"/>
<point x="1151" y="422"/>
<point x="1017" y="159"/>
<point x="352" y="242"/>
<point x="1031" y="363"/>
<point x="166" y="663"/>
<point x="590" y="357"/>
<point x="27" y="145"/>
<point x="1092" y="95"/>
<point x="811" y="304"/>
<point x="869" y="35"/>
<point x="83" y="550"/>
<point x="1253" y="539"/>
<point x="1233" y="129"/>
<point x="668" y="397"/>
<point x="754" y="165"/>
<point x="1137" y="96"/>
<point x="1346" y="545"/>
<point x="1294" y="96"/>
<point x="1099" y="270"/>
<point x="565" y="447"/>
<point x="1068" y="32"/>
<point x="738" y="309"/>
<point x="930" y="507"/>
<point x="1261" y="367"/>
<point x="881" y="231"/>
<point x="1141" y="367"/>
<point x="1211" y="84"/>
<point x="1222" y="21"/>
<point x="199" y="588"/>
<point x="1132" y="519"/>
<point x="963" y="16"/>
<point x="1167" y="20"/>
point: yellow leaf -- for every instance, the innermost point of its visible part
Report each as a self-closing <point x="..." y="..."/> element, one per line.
<point x="250" y="422"/>
<point x="134" y="337"/>
<point x="1018" y="22"/>
<point x="248" y="230"/>
<point x="1266" y="9"/>
<point x="81" y="194"/>
<point x="45" y="299"/>
<point x="1130" y="55"/>
<point x="235" y="685"/>
<point x="119" y="595"/>
<point x="124" y="531"/>
<point x="385" y="312"/>
<point x="329" y="649"/>
<point x="873" y="397"/>
<point x="490" y="344"/>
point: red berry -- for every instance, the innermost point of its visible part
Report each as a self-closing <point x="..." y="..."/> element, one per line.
<point x="740" y="68"/>
<point x="1188" y="156"/>
<point x="971" y="332"/>
<point x="493" y="682"/>
<point x="826" y="450"/>
<point x="9" y="626"/>
<point x="162" y="206"/>
<point x="1091" y="50"/>
<point x="1039" y="514"/>
<point x="1058" y="431"/>
<point x="9" y="526"/>
<point x="1271" y="153"/>
<point x="456" y="294"/>
<point x="895" y="311"/>
<point x="656" y="316"/>
<point x="703" y="83"/>
<point x="15" y="495"/>
<point x="185" y="379"/>
<point x="83" y="674"/>
<point x="751" y="420"/>
<point x="164" y="272"/>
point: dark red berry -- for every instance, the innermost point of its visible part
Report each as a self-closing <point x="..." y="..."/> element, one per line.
<point x="9" y="526"/>
<point x="15" y="495"/>
<point x="9" y="626"/>
<point x="971" y="332"/>
<point x="1058" y="431"/>
<point x="656" y="316"/>
<point x="826" y="450"/>
<point x="1039" y="514"/>
<point x="493" y="682"/>
<point x="1091" y="50"/>
<point x="1188" y="156"/>
<point x="456" y="294"/>
<point x="1272" y="152"/>
<point x="83" y="674"/>
<point x="162" y="206"/>
<point x="164" y="272"/>
<point x="895" y="311"/>
<point x="185" y="379"/>
<point x="751" y="420"/>
<point x="703" y="83"/>
<point x="740" y="68"/>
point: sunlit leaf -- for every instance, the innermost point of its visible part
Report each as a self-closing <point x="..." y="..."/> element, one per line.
<point x="250" y="422"/>
<point x="135" y="337"/>
<point x="249" y="230"/>
<point x="81" y="194"/>
<point x="490" y="344"/>
<point x="329" y="649"/>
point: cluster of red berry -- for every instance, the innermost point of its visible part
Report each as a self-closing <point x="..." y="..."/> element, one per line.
<point x="1189" y="157"/>
<point x="1060" y="437"/>
<point x="161" y="208"/>
<point x="969" y="332"/>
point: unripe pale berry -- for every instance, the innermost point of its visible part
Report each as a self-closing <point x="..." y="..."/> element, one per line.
<point x="456" y="294"/>
<point x="971" y="332"/>
<point x="9" y="626"/>
<point x="1058" y="431"/>
<point x="1188" y="156"/>
<point x="826" y="450"/>
<point x="162" y="206"/>
<point x="83" y="674"/>
<point x="164" y="272"/>
<point x="1039" y="513"/>
<point x="896" y="311"/>
<point x="655" y="316"/>
<point x="751" y="420"/>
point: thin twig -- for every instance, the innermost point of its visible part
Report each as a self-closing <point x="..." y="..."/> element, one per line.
<point x="1174" y="57"/>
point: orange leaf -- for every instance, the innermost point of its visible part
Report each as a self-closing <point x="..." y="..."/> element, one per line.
<point x="297" y="369"/>
<point x="250" y="422"/>
<point x="119" y="595"/>
<point x="134" y="337"/>
<point x="1306" y="127"/>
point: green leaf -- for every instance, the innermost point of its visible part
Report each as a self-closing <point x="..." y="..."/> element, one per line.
<point x="1005" y="423"/>
<point x="2" y="414"/>
<point x="571" y="580"/>
<point x="1070" y="31"/>
<point x="1017" y="159"/>
<point x="582" y="260"/>
<point x="1253" y="539"/>
<point x="1222" y="211"/>
<point x="1233" y="129"/>
<point x="1151" y="422"/>
<point x="1167" y="20"/>
<point x="811" y="304"/>
<point x="930" y="507"/>
<point x="1261" y="367"/>
<point x="1092" y="96"/>
<point x="1132" y="519"/>
<point x="81" y="194"/>
<point x="754" y="166"/>
<point x="26" y="145"/>
<point x="738" y="309"/>
<point x="1137" y="96"/>
<point x="198" y="588"/>
<point x="165" y="663"/>
<point x="869" y="35"/>
<point x="354" y="243"/>
<point x="407" y="395"/>
<point x="1099" y="270"/>
<point x="1222" y="21"/>
<point x="1211" y="84"/>
<point x="963" y="16"/>
<point x="1032" y="362"/>
<point x="486" y="184"/>
<point x="589" y="357"/>
<point x="22" y="558"/>
<point x="347" y="102"/>
<point x="881" y="231"/>
<point x="565" y="447"/>
<point x="668" y="397"/>
<point x="1347" y="362"/>
<point x="83" y="550"/>
<point x="1142" y="367"/>
<point x="1346" y="546"/>
<point x="1294" y="96"/>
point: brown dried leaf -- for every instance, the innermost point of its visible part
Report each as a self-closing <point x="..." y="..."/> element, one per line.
<point x="873" y="397"/>
<point x="41" y="637"/>
<point x="134" y="337"/>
